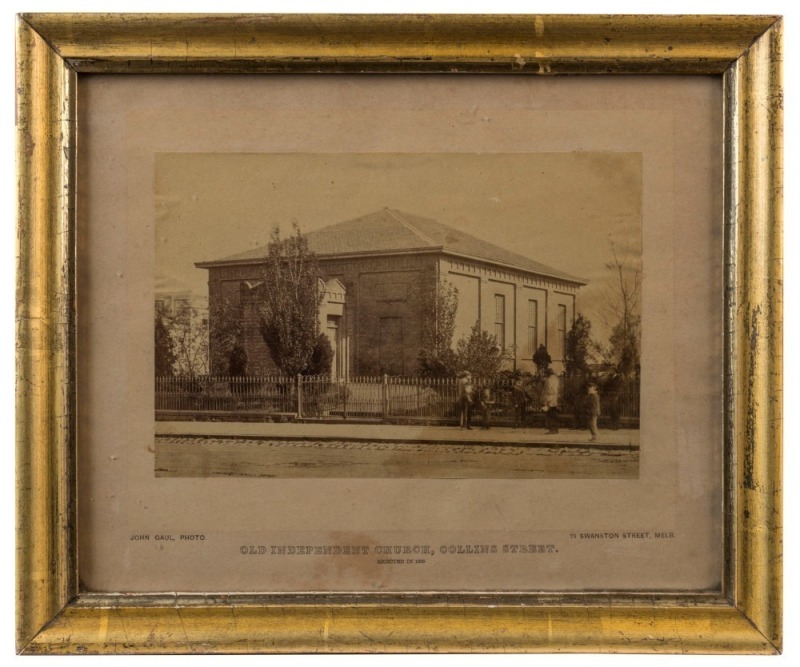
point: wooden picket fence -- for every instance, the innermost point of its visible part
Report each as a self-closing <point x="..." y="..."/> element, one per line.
<point x="368" y="398"/>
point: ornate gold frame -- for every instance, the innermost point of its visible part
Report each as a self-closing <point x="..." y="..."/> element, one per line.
<point x="54" y="616"/>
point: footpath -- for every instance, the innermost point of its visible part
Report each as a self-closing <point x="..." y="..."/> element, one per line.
<point x="393" y="433"/>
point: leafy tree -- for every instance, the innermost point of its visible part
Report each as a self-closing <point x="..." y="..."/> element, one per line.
<point x="508" y="375"/>
<point x="624" y="347"/>
<point x="580" y="347"/>
<point x="479" y="353"/>
<point x="237" y="360"/>
<point x="434" y="365"/>
<point x="321" y="357"/>
<point x="621" y="308"/>
<point x="579" y="354"/>
<point x="164" y="346"/>
<point x="542" y="359"/>
<point x="289" y="303"/>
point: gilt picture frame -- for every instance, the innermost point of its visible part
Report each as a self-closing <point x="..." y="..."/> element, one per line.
<point x="56" y="615"/>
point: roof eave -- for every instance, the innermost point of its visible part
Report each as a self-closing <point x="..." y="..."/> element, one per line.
<point x="574" y="280"/>
<point x="515" y="267"/>
<point x="214" y="264"/>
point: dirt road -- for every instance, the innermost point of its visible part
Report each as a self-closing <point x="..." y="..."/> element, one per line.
<point x="215" y="456"/>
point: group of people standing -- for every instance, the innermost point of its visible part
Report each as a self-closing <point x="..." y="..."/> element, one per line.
<point x="470" y="399"/>
<point x="550" y="397"/>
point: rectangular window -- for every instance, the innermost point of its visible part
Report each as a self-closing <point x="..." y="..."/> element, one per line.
<point x="562" y="330"/>
<point x="533" y="326"/>
<point x="500" y="320"/>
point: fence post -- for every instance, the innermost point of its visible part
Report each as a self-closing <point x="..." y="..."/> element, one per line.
<point x="385" y="396"/>
<point x="299" y="396"/>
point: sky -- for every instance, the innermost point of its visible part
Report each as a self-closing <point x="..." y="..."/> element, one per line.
<point x="561" y="209"/>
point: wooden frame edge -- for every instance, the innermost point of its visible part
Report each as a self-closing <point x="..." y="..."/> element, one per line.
<point x="45" y="117"/>
<point x="755" y="214"/>
<point x="50" y="616"/>
<point x="365" y="628"/>
<point x="540" y="44"/>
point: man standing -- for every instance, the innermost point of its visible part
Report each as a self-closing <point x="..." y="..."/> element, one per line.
<point x="465" y="398"/>
<point x="551" y="401"/>
<point x="594" y="410"/>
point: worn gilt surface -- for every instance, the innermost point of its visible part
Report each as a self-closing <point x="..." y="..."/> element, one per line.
<point x="755" y="116"/>
<point x="52" y="49"/>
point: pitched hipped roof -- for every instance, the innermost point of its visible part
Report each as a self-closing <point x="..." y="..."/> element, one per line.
<point x="390" y="231"/>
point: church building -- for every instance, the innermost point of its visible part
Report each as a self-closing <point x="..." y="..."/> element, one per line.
<point x="376" y="272"/>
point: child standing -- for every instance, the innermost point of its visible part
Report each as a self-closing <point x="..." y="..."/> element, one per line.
<point x="485" y="404"/>
<point x="593" y="409"/>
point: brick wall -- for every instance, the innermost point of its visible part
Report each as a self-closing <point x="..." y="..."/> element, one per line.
<point x="382" y="319"/>
<point x="228" y="290"/>
<point x="382" y="313"/>
<point x="383" y="310"/>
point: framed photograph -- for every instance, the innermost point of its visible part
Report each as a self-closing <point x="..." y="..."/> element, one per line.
<point x="381" y="334"/>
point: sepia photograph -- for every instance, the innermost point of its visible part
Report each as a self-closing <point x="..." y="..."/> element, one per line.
<point x="448" y="315"/>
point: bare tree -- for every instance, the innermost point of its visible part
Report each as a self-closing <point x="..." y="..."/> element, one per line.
<point x="164" y="345"/>
<point x="226" y="337"/>
<point x="438" y="306"/>
<point x="188" y="328"/>
<point x="622" y="312"/>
